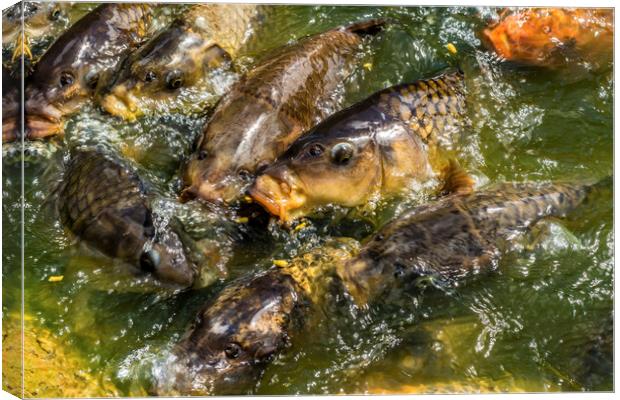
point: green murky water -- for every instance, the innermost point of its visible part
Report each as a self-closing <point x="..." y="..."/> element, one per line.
<point x="532" y="325"/>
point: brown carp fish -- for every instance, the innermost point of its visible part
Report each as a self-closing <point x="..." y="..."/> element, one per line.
<point x="249" y="322"/>
<point x="170" y="71"/>
<point x="456" y="237"/>
<point x="284" y="95"/>
<point x="104" y="203"/>
<point x="238" y="333"/>
<point x="68" y="73"/>
<point x="379" y="146"/>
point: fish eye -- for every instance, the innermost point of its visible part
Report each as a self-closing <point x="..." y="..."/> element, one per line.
<point x="315" y="150"/>
<point x="149" y="260"/>
<point x="244" y="174"/>
<point x="174" y="80"/>
<point x="342" y="153"/>
<point x="232" y="350"/>
<point x="149" y="76"/>
<point x="91" y="78"/>
<point x="202" y="154"/>
<point x="55" y="14"/>
<point x="261" y="166"/>
<point x="66" y="79"/>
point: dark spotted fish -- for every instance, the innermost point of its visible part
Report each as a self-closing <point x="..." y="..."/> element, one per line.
<point x="104" y="204"/>
<point x="170" y="72"/>
<point x="68" y="73"/>
<point x="243" y="328"/>
<point x="377" y="147"/>
<point x="453" y="238"/>
<point x="284" y="95"/>
<point x="238" y="333"/>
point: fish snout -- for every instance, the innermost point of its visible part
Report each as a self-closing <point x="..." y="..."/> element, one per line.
<point x="279" y="192"/>
<point x="171" y="265"/>
<point x="10" y="130"/>
<point x="121" y="102"/>
<point x="40" y="127"/>
<point x="42" y="118"/>
<point x="197" y="375"/>
<point x="210" y="187"/>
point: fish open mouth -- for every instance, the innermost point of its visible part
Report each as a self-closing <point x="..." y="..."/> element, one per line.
<point x="204" y="191"/>
<point x="10" y="132"/>
<point x="266" y="201"/>
<point x="39" y="127"/>
<point x="278" y="197"/>
<point x="121" y="104"/>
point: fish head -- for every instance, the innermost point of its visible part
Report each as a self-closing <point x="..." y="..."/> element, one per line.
<point x="211" y="178"/>
<point x="47" y="18"/>
<point x="58" y="88"/>
<point x="319" y="169"/>
<point x="237" y="142"/>
<point x="232" y="340"/>
<point x="154" y="77"/>
<point x="167" y="260"/>
<point x="39" y="18"/>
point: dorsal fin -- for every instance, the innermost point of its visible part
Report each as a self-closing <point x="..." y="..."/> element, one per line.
<point x="369" y="27"/>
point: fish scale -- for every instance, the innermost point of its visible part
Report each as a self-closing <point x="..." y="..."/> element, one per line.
<point x="455" y="237"/>
<point x="428" y="106"/>
<point x="103" y="202"/>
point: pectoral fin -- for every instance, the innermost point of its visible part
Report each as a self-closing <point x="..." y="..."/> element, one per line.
<point x="456" y="179"/>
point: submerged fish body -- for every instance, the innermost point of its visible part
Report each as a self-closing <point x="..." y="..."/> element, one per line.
<point x="67" y="74"/>
<point x="453" y="238"/>
<point x="162" y="74"/>
<point x="378" y="146"/>
<point x="104" y="204"/>
<point x="224" y="352"/>
<point x="553" y="37"/>
<point x="283" y="96"/>
<point x="240" y="331"/>
<point x="233" y="339"/>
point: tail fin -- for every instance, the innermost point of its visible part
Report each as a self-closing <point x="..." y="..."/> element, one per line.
<point x="603" y="183"/>
<point x="369" y="27"/>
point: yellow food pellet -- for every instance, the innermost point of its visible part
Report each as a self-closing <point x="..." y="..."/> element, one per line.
<point x="247" y="199"/>
<point x="300" y="226"/>
<point x="242" y="220"/>
<point x="55" y="278"/>
<point x="451" y="48"/>
<point x="280" y="263"/>
<point x="368" y="66"/>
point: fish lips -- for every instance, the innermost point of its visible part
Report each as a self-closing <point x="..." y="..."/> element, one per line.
<point x="10" y="130"/>
<point x="170" y="264"/>
<point x="216" y="193"/>
<point x="195" y="375"/>
<point x="278" y="196"/>
<point x="40" y="127"/>
<point x="121" y="102"/>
